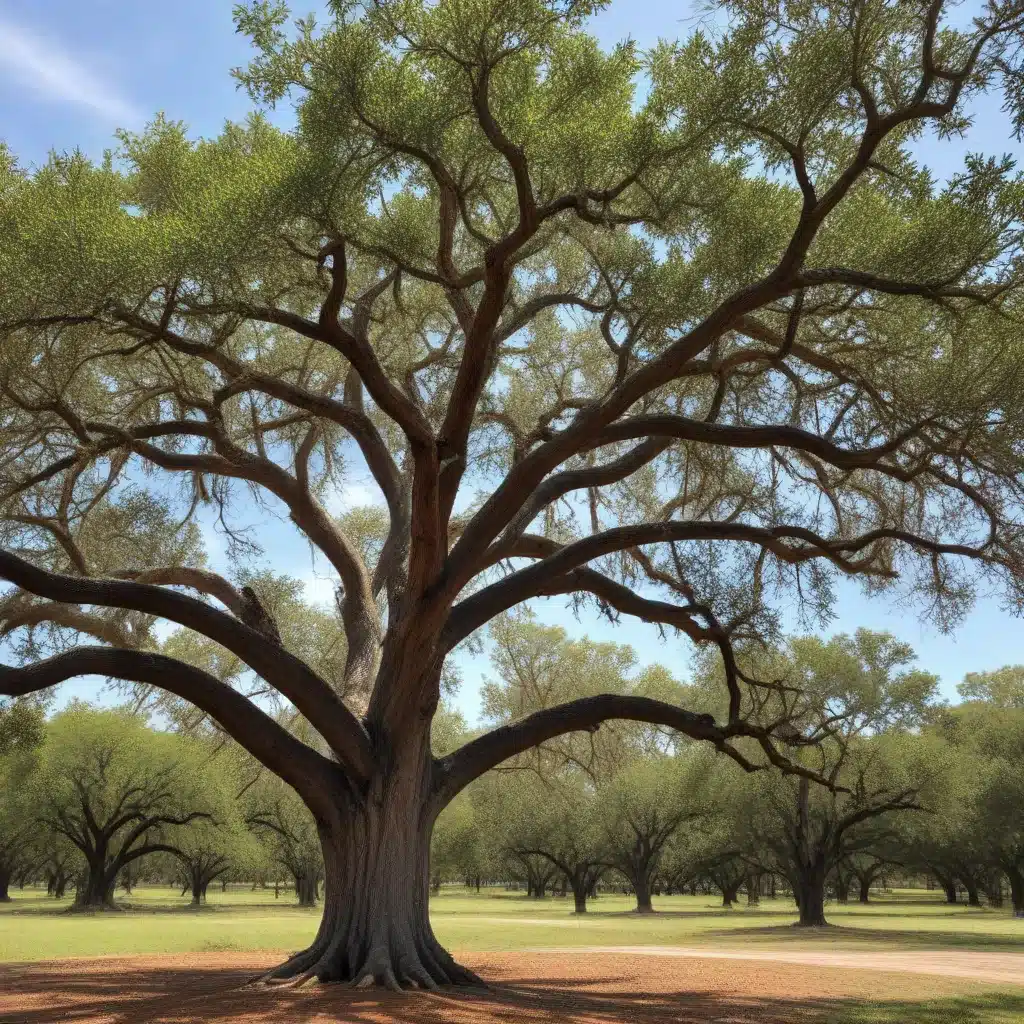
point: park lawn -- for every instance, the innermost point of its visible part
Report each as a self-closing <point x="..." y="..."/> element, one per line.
<point x="983" y="1008"/>
<point x="159" y="920"/>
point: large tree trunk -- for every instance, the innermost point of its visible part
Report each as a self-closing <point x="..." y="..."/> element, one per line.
<point x="375" y="928"/>
<point x="642" y="887"/>
<point x="842" y="887"/>
<point x="199" y="886"/>
<point x="1016" y="878"/>
<point x="993" y="886"/>
<point x="809" y="891"/>
<point x="973" y="895"/>
<point x="753" y="890"/>
<point x="96" y="887"/>
<point x="306" y="889"/>
<point x="729" y="894"/>
<point x="579" y="881"/>
<point x="5" y="884"/>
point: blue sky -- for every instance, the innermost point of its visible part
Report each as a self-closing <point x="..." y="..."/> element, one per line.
<point x="71" y="71"/>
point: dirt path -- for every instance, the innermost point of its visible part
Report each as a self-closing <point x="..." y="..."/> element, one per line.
<point x="553" y="987"/>
<point x="999" y="968"/>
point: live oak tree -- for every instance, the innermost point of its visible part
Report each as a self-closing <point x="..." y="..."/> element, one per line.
<point x="212" y="846"/>
<point x="117" y="791"/>
<point x="858" y="695"/>
<point x="987" y="742"/>
<point x="645" y="804"/>
<point x="869" y="865"/>
<point x="555" y="829"/>
<point x="676" y="352"/>
<point x="945" y="843"/>
<point x="288" y="833"/>
<point x="20" y="735"/>
<point x="1004" y="687"/>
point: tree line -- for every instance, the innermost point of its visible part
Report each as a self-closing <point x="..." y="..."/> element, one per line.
<point x="920" y="790"/>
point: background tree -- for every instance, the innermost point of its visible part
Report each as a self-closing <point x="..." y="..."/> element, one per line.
<point x="556" y="828"/>
<point x="212" y="846"/>
<point x="676" y="355"/>
<point x="458" y="849"/>
<point x="855" y="696"/>
<point x="945" y="842"/>
<point x="1004" y="687"/>
<point x="117" y="790"/>
<point x="868" y="865"/>
<point x="21" y="731"/>
<point x="645" y="804"/>
<point x="284" y="825"/>
<point x="987" y="742"/>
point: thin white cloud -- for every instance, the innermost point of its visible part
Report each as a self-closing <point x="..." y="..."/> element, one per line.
<point x="44" y="67"/>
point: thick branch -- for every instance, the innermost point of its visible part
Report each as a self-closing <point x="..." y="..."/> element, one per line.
<point x="300" y="766"/>
<point x="458" y="769"/>
<point x="291" y="676"/>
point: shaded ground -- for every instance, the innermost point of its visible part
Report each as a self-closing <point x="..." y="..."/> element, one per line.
<point x="529" y="988"/>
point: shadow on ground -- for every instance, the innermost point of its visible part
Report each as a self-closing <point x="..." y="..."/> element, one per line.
<point x="166" y="991"/>
<point x="844" y="935"/>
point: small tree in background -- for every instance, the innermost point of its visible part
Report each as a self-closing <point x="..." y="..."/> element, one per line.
<point x="847" y="703"/>
<point x="118" y="791"/>
<point x="21" y="732"/>
<point x="212" y="846"/>
<point x="644" y="805"/>
<point x="288" y="834"/>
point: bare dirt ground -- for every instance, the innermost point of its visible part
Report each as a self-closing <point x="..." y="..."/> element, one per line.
<point x="578" y="987"/>
<point x="997" y="968"/>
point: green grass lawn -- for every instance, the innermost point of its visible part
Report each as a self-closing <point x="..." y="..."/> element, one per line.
<point x="158" y="920"/>
<point x="987" y="1008"/>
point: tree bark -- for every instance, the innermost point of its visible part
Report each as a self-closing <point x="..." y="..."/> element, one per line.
<point x="306" y="889"/>
<point x="375" y="928"/>
<point x="1016" y="878"/>
<point x="950" y="890"/>
<point x="96" y="888"/>
<point x="973" y="895"/>
<point x="809" y="892"/>
<point x="198" y="891"/>
<point x="642" y="887"/>
<point x="842" y="887"/>
<point x="865" y="890"/>
<point x="993" y="886"/>
<point x="753" y="890"/>
<point x="5" y="884"/>
<point x="729" y="894"/>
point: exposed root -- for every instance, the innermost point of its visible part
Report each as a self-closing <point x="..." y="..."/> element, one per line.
<point x="426" y="967"/>
<point x="295" y="970"/>
<point x="418" y="976"/>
